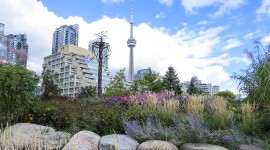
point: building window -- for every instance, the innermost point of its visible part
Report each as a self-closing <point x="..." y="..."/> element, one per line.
<point x="66" y="74"/>
<point x="66" y="84"/>
<point x="71" y="84"/>
<point x="62" y="69"/>
<point x="66" y="90"/>
<point x="71" y="90"/>
<point x="58" y="60"/>
<point x="66" y="79"/>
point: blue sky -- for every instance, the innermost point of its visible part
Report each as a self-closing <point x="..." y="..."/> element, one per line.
<point x="205" y="38"/>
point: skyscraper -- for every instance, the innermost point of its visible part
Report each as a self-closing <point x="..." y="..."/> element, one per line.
<point x="13" y="48"/>
<point x="3" y="46"/>
<point x="17" y="49"/>
<point x="65" y="35"/>
<point x="2" y="28"/>
<point x="131" y="44"/>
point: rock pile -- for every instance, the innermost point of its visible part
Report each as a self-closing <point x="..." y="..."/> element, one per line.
<point x="32" y="136"/>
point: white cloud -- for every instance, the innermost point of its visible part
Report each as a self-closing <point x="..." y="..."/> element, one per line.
<point x="232" y="43"/>
<point x="249" y="36"/>
<point x="166" y="2"/>
<point x="224" y="6"/>
<point x="263" y="10"/>
<point x="266" y="40"/>
<point x="203" y="22"/>
<point x="112" y="1"/>
<point x="160" y="15"/>
<point x="187" y="51"/>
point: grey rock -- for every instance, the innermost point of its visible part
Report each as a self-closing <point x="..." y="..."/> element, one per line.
<point x="83" y="140"/>
<point x="117" y="141"/>
<point x="25" y="135"/>
<point x="197" y="146"/>
<point x="248" y="147"/>
<point x="54" y="140"/>
<point x="157" y="145"/>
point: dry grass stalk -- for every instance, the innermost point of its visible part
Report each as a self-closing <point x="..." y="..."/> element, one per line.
<point x="195" y="105"/>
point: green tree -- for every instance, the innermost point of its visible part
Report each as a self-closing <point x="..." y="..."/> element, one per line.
<point x="226" y="94"/>
<point x="255" y="80"/>
<point x="171" y="81"/>
<point x="192" y="89"/>
<point x="150" y="82"/>
<point x="117" y="85"/>
<point x="88" y="91"/>
<point x="50" y="86"/>
<point x="17" y="86"/>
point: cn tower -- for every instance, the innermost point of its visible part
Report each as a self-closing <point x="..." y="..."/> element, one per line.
<point x="131" y="43"/>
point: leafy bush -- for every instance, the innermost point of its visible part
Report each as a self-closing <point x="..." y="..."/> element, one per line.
<point x="16" y="91"/>
<point x="51" y="113"/>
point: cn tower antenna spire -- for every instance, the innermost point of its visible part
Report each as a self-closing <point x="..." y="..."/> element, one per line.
<point x="131" y="43"/>
<point x="131" y="11"/>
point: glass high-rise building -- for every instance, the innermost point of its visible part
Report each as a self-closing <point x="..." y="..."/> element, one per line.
<point x="13" y="48"/>
<point x="2" y="28"/>
<point x="17" y="49"/>
<point x="3" y="46"/>
<point x="65" y="35"/>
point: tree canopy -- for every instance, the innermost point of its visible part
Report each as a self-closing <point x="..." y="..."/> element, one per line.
<point x="17" y="87"/>
<point x="117" y="85"/>
<point x="192" y="89"/>
<point x="255" y="80"/>
<point x="226" y="94"/>
<point x="171" y="81"/>
<point x="150" y="82"/>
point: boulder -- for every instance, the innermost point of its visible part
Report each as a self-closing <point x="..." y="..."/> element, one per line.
<point x="197" y="146"/>
<point x="248" y="147"/>
<point x="157" y="144"/>
<point x="54" y="140"/>
<point x="117" y="141"/>
<point x="26" y="135"/>
<point x="83" y="140"/>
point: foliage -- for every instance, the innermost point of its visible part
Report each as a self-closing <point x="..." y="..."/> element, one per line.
<point x="16" y="90"/>
<point x="117" y="85"/>
<point x="192" y="89"/>
<point x="226" y="94"/>
<point x="255" y="80"/>
<point x="186" y="128"/>
<point x="171" y="81"/>
<point x="87" y="92"/>
<point x="249" y="123"/>
<point x="150" y="82"/>
<point x="91" y="101"/>
<point x="49" y="85"/>
<point x="72" y="116"/>
<point x="51" y="113"/>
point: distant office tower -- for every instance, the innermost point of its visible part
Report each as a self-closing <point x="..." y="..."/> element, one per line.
<point x="3" y="46"/>
<point x="140" y="73"/>
<point x="65" y="35"/>
<point x="17" y="49"/>
<point x="2" y="28"/>
<point x="13" y="48"/>
<point x="131" y="44"/>
<point x="216" y="89"/>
